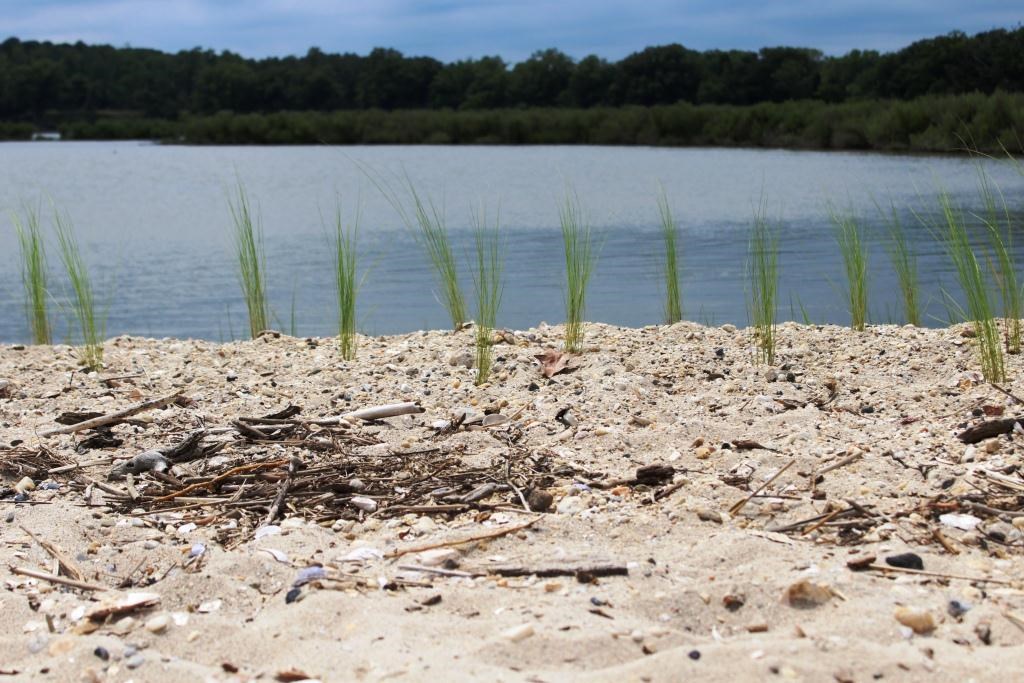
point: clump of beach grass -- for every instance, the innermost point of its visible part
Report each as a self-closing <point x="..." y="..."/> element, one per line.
<point x="763" y="281"/>
<point x="426" y="222"/>
<point x="904" y="262"/>
<point x="488" y="269"/>
<point x="849" y="237"/>
<point x="975" y="288"/>
<point x="34" y="274"/>
<point x="91" y="323"/>
<point x="252" y="263"/>
<point x="670" y="261"/>
<point x="580" y="259"/>
<point x="999" y="223"/>
<point x="346" y="282"/>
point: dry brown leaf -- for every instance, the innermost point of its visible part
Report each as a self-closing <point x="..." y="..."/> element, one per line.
<point x="553" y="362"/>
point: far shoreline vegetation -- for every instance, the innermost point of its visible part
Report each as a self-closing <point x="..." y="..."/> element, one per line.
<point x="945" y="94"/>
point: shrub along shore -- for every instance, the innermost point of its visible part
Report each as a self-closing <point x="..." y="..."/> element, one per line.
<point x="924" y="124"/>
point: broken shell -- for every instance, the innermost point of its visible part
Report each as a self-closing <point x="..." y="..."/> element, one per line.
<point x="123" y="604"/>
<point x="805" y="594"/>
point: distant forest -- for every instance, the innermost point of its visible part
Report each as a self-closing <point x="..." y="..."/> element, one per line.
<point x="798" y="94"/>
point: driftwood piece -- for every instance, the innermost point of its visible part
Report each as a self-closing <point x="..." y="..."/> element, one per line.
<point x="388" y="410"/>
<point x="113" y="418"/>
<point x="504" y="531"/>
<point x="988" y="429"/>
<point x="32" y="573"/>
<point x="596" y="570"/>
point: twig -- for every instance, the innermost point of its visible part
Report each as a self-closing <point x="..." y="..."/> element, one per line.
<point x="275" y="507"/>
<point x="389" y="410"/>
<point x="65" y="562"/>
<point x="439" y="571"/>
<point x="398" y="552"/>
<point x="596" y="570"/>
<point x="23" y="571"/>
<point x="114" y="417"/>
<point x="999" y="388"/>
<point x="734" y="510"/>
<point x="226" y="475"/>
<point x="944" y="542"/>
<point x="938" y="575"/>
<point x="841" y="463"/>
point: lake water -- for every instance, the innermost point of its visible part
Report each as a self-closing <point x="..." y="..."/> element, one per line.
<point x="154" y="226"/>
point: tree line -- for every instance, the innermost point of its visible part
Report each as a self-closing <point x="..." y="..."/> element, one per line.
<point x="41" y="81"/>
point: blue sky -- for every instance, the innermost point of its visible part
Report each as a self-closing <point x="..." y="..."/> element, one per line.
<point x="456" y="29"/>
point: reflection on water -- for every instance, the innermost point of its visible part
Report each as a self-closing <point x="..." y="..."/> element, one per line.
<point x="154" y="224"/>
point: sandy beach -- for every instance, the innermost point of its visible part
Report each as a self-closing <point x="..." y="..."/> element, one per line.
<point x="664" y="509"/>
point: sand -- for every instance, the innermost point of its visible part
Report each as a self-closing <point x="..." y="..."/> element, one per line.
<point x="861" y="419"/>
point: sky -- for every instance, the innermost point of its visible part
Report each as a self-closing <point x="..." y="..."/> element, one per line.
<point x="513" y="29"/>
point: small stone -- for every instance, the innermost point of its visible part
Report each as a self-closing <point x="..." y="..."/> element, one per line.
<point x="158" y="623"/>
<point x="25" y="485"/>
<point x="707" y="515"/>
<point x="135" y="661"/>
<point x="364" y="504"/>
<point x="570" y="505"/>
<point x="728" y="327"/>
<point x="906" y="561"/>
<point x="123" y="626"/>
<point x="957" y="608"/>
<point x="860" y="562"/>
<point x="102" y="653"/>
<point x="517" y="633"/>
<point x="694" y="655"/>
<point x="733" y="601"/>
<point x="703" y="453"/>
<point x="919" y="621"/>
<point x="539" y="500"/>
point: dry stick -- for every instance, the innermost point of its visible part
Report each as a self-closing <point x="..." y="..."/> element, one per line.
<point x="23" y="571"/>
<point x="75" y="466"/>
<point x="739" y="506"/>
<point x="470" y="539"/>
<point x="999" y="388"/>
<point x="439" y="571"/>
<point x="275" y="507"/>
<point x="938" y="575"/>
<point x="226" y="475"/>
<point x="389" y="410"/>
<point x="120" y="415"/>
<point x="596" y="570"/>
<point x="944" y="542"/>
<point x="65" y="562"/>
<point x="841" y="463"/>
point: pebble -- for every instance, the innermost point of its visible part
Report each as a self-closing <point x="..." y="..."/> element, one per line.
<point x="570" y="505"/>
<point x="123" y="625"/>
<point x="25" y="485"/>
<point x="905" y="561"/>
<point x="539" y="500"/>
<point x="517" y="633"/>
<point x="158" y="623"/>
<point x="364" y="504"/>
<point x="135" y="661"/>
<point x="918" y="620"/>
<point x="707" y="515"/>
<point x="102" y="653"/>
